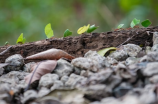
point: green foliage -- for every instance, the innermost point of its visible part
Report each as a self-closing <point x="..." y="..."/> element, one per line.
<point x="48" y="31"/>
<point x="83" y="29"/>
<point x="120" y="26"/>
<point x="134" y="22"/>
<point x="67" y="33"/>
<point x="91" y="28"/>
<point x="146" y="23"/>
<point x="21" y="39"/>
<point x="104" y="51"/>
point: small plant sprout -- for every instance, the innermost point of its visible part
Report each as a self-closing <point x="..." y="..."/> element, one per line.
<point x="48" y="31"/>
<point x="21" y="39"/>
<point x="83" y="29"/>
<point x="92" y="28"/>
<point x="146" y="23"/>
<point x="67" y="33"/>
<point x="6" y="43"/>
<point x="134" y="22"/>
<point x="120" y="26"/>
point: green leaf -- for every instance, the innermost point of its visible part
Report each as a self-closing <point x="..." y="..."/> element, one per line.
<point x="120" y="26"/>
<point x="146" y="23"/>
<point x="21" y="39"/>
<point x="48" y="31"/>
<point x="104" y="51"/>
<point x="91" y="28"/>
<point x="134" y="22"/>
<point x="83" y="29"/>
<point x="6" y="43"/>
<point x="67" y="33"/>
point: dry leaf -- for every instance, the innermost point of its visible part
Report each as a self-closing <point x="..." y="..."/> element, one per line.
<point x="51" y="54"/>
<point x="44" y="67"/>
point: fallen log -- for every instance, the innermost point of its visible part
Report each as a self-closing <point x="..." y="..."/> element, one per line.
<point x="77" y="46"/>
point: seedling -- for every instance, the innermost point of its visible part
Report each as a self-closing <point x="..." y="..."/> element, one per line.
<point x="48" y="31"/>
<point x="120" y="26"/>
<point x="21" y="39"/>
<point x="6" y="43"/>
<point x="91" y="28"/>
<point x="134" y="22"/>
<point x="67" y="33"/>
<point x="83" y="29"/>
<point x="146" y="23"/>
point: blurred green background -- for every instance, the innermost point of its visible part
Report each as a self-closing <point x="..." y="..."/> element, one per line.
<point x="31" y="16"/>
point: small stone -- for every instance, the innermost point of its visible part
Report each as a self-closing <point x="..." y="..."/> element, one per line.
<point x="3" y="102"/>
<point x="27" y="67"/>
<point x="29" y="96"/>
<point x="112" y="100"/>
<point x="83" y="73"/>
<point x="148" y="95"/>
<point x="16" y="63"/>
<point x="48" y="80"/>
<point x="43" y="91"/>
<point x="132" y="49"/>
<point x="122" y="89"/>
<point x="151" y="69"/>
<point x="150" y="57"/>
<point x="131" y="60"/>
<point x="57" y="84"/>
<point x="77" y="70"/>
<point x="119" y="55"/>
<point x="112" y="60"/>
<point x="155" y="48"/>
<point x="74" y="80"/>
<point x="64" y="79"/>
<point x="91" y="61"/>
<point x="154" y="79"/>
<point x="93" y="55"/>
<point x="131" y="99"/>
<point x="100" y="77"/>
<point x="13" y="78"/>
<point x="63" y="68"/>
<point x="155" y="38"/>
<point x="1" y="71"/>
<point x="4" y="92"/>
<point x="96" y="92"/>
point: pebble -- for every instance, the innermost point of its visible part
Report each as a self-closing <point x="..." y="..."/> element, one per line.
<point x="63" y="68"/>
<point x="13" y="78"/>
<point x="27" y="67"/>
<point x="57" y="84"/>
<point x="29" y="96"/>
<point x="119" y="55"/>
<point x="151" y="69"/>
<point x="131" y="60"/>
<point x="155" y="38"/>
<point x="91" y="61"/>
<point x="132" y="49"/>
<point x="16" y="63"/>
<point x="43" y="91"/>
<point x="48" y="80"/>
<point x="74" y="80"/>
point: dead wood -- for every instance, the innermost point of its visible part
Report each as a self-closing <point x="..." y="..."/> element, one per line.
<point x="79" y="45"/>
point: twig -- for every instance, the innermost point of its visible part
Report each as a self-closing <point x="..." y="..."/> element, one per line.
<point x="3" y="52"/>
<point x="127" y="40"/>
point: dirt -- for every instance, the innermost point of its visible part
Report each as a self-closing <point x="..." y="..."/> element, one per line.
<point x="79" y="45"/>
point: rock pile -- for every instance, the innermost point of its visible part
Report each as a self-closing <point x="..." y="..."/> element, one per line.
<point x="127" y="76"/>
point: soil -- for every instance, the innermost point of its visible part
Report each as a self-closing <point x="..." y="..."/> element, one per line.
<point x="79" y="45"/>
